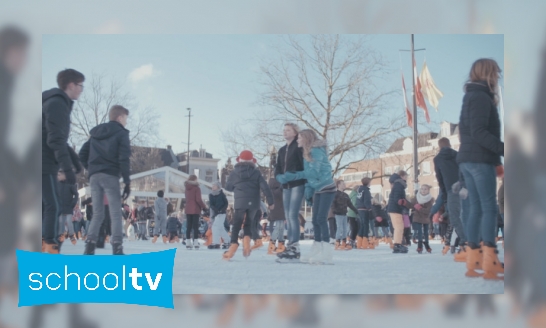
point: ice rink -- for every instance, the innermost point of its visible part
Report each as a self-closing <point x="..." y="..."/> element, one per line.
<point x="355" y="272"/>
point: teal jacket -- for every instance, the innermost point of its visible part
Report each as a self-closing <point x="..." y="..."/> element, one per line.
<point x="318" y="173"/>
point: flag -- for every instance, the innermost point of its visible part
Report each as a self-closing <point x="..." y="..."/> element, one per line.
<point x="418" y="95"/>
<point x="430" y="91"/>
<point x="408" y="113"/>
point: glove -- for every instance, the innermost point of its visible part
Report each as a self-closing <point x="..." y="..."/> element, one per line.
<point x="281" y="178"/>
<point x="126" y="191"/>
<point x="378" y="219"/>
<point x="70" y="177"/>
<point x="290" y="176"/>
<point x="463" y="193"/>
<point x="402" y="202"/>
<point x="309" y="193"/>
<point x="418" y="207"/>
<point x="309" y="201"/>
<point x="456" y="187"/>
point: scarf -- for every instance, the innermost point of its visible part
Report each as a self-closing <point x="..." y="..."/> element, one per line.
<point x="423" y="199"/>
<point x="216" y="193"/>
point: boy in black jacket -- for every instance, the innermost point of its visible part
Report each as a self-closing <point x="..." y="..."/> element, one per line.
<point x="106" y="156"/>
<point x="246" y="181"/>
<point x="56" y="108"/>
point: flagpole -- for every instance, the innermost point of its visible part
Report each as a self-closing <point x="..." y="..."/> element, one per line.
<point x="415" y="137"/>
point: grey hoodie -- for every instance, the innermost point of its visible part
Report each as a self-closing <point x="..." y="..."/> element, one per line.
<point x="160" y="207"/>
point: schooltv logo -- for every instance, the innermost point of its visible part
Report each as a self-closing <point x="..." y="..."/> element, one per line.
<point x="144" y="279"/>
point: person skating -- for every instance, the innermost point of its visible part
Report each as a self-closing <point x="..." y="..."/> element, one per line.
<point x="447" y="174"/>
<point x="194" y="207"/>
<point x="245" y="181"/>
<point x="421" y="205"/>
<point x="479" y="154"/>
<point x="277" y="219"/>
<point x="173" y="226"/>
<point x="320" y="190"/>
<point x="57" y="106"/>
<point x="341" y="202"/>
<point x="395" y="207"/>
<point x="68" y="199"/>
<point x="218" y="205"/>
<point x="381" y="220"/>
<point x="290" y="159"/>
<point x="106" y="157"/>
<point x="160" y="210"/>
<point x="364" y="205"/>
<point x="353" y="219"/>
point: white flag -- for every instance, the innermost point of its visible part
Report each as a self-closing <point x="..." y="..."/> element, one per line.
<point x="429" y="89"/>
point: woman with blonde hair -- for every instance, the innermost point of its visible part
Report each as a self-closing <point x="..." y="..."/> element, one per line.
<point x="479" y="154"/>
<point x="320" y="191"/>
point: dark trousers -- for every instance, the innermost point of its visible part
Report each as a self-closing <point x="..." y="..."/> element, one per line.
<point x="192" y="225"/>
<point x="256" y="225"/>
<point x="353" y="222"/>
<point x="332" y="225"/>
<point x="364" y="223"/>
<point x="242" y="218"/>
<point x="51" y="208"/>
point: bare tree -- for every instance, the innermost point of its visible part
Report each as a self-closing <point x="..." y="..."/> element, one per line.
<point x="326" y="83"/>
<point x="92" y="108"/>
<point x="144" y="159"/>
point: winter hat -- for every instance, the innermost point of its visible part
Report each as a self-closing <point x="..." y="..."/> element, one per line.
<point x="246" y="156"/>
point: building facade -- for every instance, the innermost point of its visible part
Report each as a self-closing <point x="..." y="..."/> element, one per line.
<point x="398" y="157"/>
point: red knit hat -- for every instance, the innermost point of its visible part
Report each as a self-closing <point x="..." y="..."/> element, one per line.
<point x="246" y="155"/>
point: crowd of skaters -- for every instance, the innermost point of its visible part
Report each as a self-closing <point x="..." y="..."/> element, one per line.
<point x="467" y="203"/>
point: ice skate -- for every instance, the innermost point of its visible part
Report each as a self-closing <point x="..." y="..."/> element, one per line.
<point x="492" y="267"/>
<point x="230" y="252"/>
<point x="246" y="246"/>
<point x="117" y="249"/>
<point x="290" y="255"/>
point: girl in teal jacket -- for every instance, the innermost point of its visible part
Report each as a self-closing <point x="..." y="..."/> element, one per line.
<point x="320" y="191"/>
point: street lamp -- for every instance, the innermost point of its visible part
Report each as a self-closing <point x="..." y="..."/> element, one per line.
<point x="189" y="125"/>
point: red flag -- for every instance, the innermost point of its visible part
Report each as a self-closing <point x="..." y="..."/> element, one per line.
<point x="408" y="113"/>
<point x="418" y="94"/>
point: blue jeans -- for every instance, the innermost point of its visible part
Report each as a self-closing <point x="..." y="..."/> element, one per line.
<point x="419" y="229"/>
<point x="278" y="231"/>
<point x="292" y="199"/>
<point x="321" y="207"/>
<point x="481" y="182"/>
<point x="364" y="227"/>
<point x="342" y="227"/>
<point x="102" y="184"/>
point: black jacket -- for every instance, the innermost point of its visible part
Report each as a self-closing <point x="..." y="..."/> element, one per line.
<point x="378" y="211"/>
<point x="398" y="192"/>
<point x="173" y="224"/>
<point x="447" y="169"/>
<point x="246" y="181"/>
<point x="363" y="198"/>
<point x="341" y="202"/>
<point x="479" y="127"/>
<point x="218" y="203"/>
<point x="290" y="159"/>
<point x="56" y="109"/>
<point x="276" y="214"/>
<point x="69" y="197"/>
<point x="108" y="151"/>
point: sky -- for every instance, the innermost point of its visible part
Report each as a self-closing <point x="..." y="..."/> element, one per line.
<point x="217" y="75"/>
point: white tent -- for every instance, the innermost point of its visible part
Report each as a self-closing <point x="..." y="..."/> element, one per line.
<point x="145" y="185"/>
